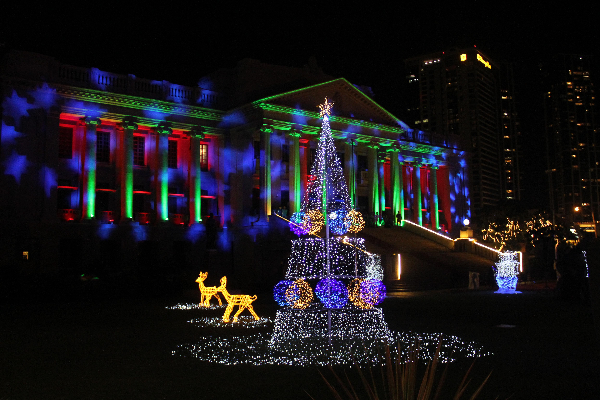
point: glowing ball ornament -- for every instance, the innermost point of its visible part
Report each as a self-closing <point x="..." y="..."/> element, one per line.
<point x="299" y="294"/>
<point x="279" y="292"/>
<point x="355" y="221"/>
<point x="299" y="224"/>
<point x="332" y="293"/>
<point x="338" y="223"/>
<point x="366" y="293"/>
<point x="313" y="220"/>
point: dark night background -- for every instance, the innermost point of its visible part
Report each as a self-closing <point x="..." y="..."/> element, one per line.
<point x="365" y="43"/>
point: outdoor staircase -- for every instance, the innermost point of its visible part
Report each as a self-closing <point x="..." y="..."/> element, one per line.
<point x="425" y="264"/>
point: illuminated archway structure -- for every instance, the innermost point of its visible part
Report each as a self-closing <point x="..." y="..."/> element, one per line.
<point x="95" y="161"/>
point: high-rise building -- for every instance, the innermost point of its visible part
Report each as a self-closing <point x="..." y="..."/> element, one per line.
<point x="464" y="92"/>
<point x="571" y="129"/>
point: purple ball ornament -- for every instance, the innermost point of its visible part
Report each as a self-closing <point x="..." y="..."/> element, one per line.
<point x="332" y="293"/>
<point x="372" y="291"/>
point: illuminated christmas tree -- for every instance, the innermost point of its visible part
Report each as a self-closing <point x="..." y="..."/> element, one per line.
<point x="332" y="283"/>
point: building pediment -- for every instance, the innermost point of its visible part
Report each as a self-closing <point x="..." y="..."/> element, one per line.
<point x="350" y="103"/>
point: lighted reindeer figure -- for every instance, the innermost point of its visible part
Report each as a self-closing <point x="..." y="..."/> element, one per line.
<point x="206" y="293"/>
<point x="242" y="300"/>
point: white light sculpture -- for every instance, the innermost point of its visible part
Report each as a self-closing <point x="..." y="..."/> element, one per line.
<point x="506" y="270"/>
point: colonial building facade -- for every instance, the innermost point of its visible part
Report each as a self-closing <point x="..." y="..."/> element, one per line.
<point x="109" y="172"/>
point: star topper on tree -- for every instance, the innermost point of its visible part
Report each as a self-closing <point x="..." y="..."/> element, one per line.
<point x="325" y="108"/>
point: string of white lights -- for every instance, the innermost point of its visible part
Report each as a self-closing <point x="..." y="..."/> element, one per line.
<point x="242" y="322"/>
<point x="257" y="349"/>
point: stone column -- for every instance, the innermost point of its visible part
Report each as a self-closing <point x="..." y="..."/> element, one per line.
<point x="350" y="170"/>
<point x="418" y="214"/>
<point x="266" y="134"/>
<point x="89" y="168"/>
<point x="305" y="146"/>
<point x="381" y="157"/>
<point x="397" y="189"/>
<point x="373" y="178"/>
<point x="294" y="183"/>
<point x="126" y="164"/>
<point x="435" y="223"/>
<point x="194" y="176"/>
<point x="163" y="130"/>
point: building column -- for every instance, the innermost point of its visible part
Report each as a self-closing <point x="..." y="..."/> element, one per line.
<point x="126" y="164"/>
<point x="194" y="176"/>
<point x="435" y="219"/>
<point x="381" y="157"/>
<point x="219" y="174"/>
<point x="266" y="134"/>
<point x="350" y="170"/>
<point x="294" y="183"/>
<point x="89" y="168"/>
<point x="397" y="187"/>
<point x="418" y="214"/>
<point x="373" y="178"/>
<point x="163" y="130"/>
<point x="305" y="146"/>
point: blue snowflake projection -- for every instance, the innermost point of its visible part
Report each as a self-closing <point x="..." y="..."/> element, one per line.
<point x="332" y="293"/>
<point x="279" y="292"/>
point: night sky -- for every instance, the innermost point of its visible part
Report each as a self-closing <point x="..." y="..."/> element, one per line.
<point x="363" y="43"/>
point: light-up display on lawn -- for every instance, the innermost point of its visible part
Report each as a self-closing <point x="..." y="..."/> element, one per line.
<point x="330" y="291"/>
<point x="506" y="270"/>
<point x="345" y="278"/>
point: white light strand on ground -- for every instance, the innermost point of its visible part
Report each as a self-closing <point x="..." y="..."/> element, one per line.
<point x="242" y="322"/>
<point x="255" y="349"/>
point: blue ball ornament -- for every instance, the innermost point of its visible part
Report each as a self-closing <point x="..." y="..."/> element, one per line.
<point x="332" y="293"/>
<point x="338" y="223"/>
<point x="279" y="292"/>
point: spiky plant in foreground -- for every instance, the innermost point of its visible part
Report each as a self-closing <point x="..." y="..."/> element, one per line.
<point x="400" y="381"/>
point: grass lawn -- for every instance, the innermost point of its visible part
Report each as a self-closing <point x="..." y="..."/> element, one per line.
<point x="543" y="348"/>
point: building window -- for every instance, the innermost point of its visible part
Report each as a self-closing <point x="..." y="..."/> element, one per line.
<point x="139" y="147"/>
<point x="204" y="157"/>
<point x="102" y="146"/>
<point x="65" y="142"/>
<point x="172" y="153"/>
